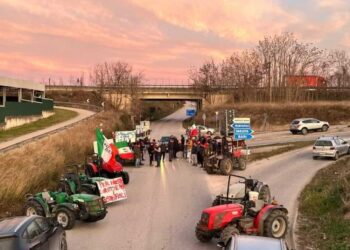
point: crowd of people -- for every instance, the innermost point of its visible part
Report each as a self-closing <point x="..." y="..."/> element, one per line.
<point x="193" y="149"/>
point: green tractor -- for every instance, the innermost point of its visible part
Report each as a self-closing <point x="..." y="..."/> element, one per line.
<point x="74" y="181"/>
<point x="66" y="208"/>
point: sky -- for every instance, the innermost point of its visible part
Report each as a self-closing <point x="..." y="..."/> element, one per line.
<point x="163" y="39"/>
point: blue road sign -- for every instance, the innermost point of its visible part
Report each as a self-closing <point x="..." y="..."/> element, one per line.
<point x="243" y="136"/>
<point x="190" y="112"/>
<point x="245" y="126"/>
<point x="243" y="131"/>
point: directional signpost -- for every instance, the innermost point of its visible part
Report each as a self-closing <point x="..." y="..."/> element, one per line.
<point x="242" y="129"/>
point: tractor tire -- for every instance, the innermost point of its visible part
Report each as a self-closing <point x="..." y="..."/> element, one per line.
<point x="276" y="224"/>
<point x="33" y="207"/>
<point x="294" y="132"/>
<point x="202" y="237"/>
<point x="125" y="176"/>
<point x="304" y="131"/>
<point x="65" y="217"/>
<point x="226" y="166"/>
<point x="209" y="170"/>
<point x="242" y="164"/>
<point x="227" y="233"/>
<point x="324" y="128"/>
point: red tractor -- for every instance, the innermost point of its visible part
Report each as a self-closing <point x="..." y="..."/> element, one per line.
<point x="251" y="216"/>
<point x="97" y="167"/>
<point x="231" y="154"/>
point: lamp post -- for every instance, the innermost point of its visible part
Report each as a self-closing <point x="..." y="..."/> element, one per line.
<point x="216" y="120"/>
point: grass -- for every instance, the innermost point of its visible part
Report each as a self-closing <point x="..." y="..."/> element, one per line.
<point x="39" y="165"/>
<point x="284" y="148"/>
<point x="324" y="219"/>
<point x="60" y="115"/>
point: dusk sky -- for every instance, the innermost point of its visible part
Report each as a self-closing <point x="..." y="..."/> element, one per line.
<point x="161" y="38"/>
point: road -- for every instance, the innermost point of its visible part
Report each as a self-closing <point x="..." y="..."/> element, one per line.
<point x="82" y="114"/>
<point x="164" y="204"/>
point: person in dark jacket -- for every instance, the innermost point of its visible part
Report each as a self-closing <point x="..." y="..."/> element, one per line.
<point x="176" y="147"/>
<point x="182" y="145"/>
<point x="157" y="153"/>
<point x="171" y="149"/>
<point x="200" y="154"/>
<point x="163" y="150"/>
<point x="137" y="152"/>
<point x="151" y="153"/>
<point x="194" y="154"/>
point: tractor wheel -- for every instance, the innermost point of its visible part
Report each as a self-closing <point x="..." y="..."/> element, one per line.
<point x="202" y="237"/>
<point x="209" y="170"/>
<point x="242" y="164"/>
<point x="125" y="176"/>
<point x="65" y="217"/>
<point x="324" y="128"/>
<point x="226" y="166"/>
<point x="276" y="224"/>
<point x="227" y="233"/>
<point x="264" y="193"/>
<point x="33" y="207"/>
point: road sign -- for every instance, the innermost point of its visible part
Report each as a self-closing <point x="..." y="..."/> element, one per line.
<point x="243" y="131"/>
<point x="190" y="112"/>
<point x="245" y="126"/>
<point x="243" y="136"/>
<point x="241" y="120"/>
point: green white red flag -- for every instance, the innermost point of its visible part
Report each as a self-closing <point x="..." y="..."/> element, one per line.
<point x="105" y="149"/>
<point x="124" y="150"/>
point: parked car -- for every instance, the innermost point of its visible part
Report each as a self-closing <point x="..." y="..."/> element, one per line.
<point x="245" y="242"/>
<point x="304" y="125"/>
<point x="34" y="232"/>
<point x="205" y="130"/>
<point x="333" y="147"/>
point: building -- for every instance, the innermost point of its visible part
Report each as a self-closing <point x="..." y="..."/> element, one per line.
<point x="22" y="102"/>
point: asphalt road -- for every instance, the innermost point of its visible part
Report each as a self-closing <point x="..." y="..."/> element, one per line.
<point x="82" y="114"/>
<point x="164" y="204"/>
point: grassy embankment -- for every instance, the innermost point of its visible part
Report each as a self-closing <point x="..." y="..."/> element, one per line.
<point x="60" y="115"/>
<point x="280" y="149"/>
<point x="279" y="115"/>
<point x="39" y="165"/>
<point x="324" y="209"/>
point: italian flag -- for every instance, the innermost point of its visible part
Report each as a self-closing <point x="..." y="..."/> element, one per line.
<point x="124" y="150"/>
<point x="105" y="149"/>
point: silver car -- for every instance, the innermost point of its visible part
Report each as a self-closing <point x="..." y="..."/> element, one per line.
<point x="332" y="147"/>
<point x="245" y="242"/>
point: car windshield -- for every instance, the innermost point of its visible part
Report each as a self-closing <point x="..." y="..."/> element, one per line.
<point x="8" y="243"/>
<point x="295" y="122"/>
<point x="323" y="143"/>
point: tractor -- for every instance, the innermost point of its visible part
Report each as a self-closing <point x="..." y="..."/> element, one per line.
<point x="230" y="155"/>
<point x="252" y="216"/>
<point x="96" y="167"/>
<point x="237" y="191"/>
<point x="66" y="208"/>
<point x="74" y="181"/>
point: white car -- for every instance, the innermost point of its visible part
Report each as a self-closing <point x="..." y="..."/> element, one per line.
<point x="205" y="130"/>
<point x="245" y="242"/>
<point x="333" y="147"/>
<point x="304" y="125"/>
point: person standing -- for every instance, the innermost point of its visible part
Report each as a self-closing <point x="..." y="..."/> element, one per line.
<point x="176" y="147"/>
<point x="171" y="149"/>
<point x="189" y="149"/>
<point x="163" y="150"/>
<point x="151" y="153"/>
<point x="157" y="153"/>
<point x="200" y="154"/>
<point x="137" y="152"/>
<point x="183" y="146"/>
<point x="194" y="154"/>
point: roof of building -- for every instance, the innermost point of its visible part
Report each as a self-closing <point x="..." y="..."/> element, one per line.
<point x="21" y="84"/>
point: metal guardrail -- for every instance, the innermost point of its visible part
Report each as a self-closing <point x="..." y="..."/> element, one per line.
<point x="41" y="136"/>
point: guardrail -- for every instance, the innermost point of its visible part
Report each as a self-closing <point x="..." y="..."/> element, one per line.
<point x="55" y="131"/>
